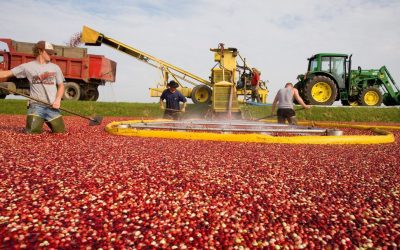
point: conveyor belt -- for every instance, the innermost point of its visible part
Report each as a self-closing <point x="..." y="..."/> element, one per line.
<point x="233" y="126"/>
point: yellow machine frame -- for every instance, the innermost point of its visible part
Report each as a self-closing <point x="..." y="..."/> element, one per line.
<point x="221" y="90"/>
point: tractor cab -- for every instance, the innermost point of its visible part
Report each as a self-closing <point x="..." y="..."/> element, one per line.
<point x="334" y="66"/>
<point x="326" y="79"/>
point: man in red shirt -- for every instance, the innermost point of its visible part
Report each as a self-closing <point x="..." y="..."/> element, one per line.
<point x="255" y="84"/>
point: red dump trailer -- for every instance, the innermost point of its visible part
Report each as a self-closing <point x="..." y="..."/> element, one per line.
<point x="83" y="72"/>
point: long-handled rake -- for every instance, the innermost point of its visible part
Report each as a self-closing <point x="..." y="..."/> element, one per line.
<point x="92" y="121"/>
<point x="174" y="110"/>
<point x="270" y="116"/>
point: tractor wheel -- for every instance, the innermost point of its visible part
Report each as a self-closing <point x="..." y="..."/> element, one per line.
<point x="92" y="94"/>
<point x="72" y="91"/>
<point x="320" y="90"/>
<point x="349" y="103"/>
<point x="201" y="94"/>
<point x="352" y="101"/>
<point x="370" y="97"/>
<point x="82" y="97"/>
<point x="299" y="87"/>
<point x="388" y="100"/>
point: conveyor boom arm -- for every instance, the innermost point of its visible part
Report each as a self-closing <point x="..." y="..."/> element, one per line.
<point x="92" y="37"/>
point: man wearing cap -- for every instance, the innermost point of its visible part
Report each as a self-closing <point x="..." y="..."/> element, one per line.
<point x="172" y="98"/>
<point x="46" y="84"/>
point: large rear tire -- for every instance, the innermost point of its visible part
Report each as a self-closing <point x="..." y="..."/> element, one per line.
<point x="8" y="85"/>
<point x="72" y="91"/>
<point x="92" y="94"/>
<point x="201" y="94"/>
<point x="320" y="90"/>
<point x="299" y="87"/>
<point x="370" y="96"/>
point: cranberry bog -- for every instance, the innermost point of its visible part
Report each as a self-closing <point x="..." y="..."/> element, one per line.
<point x="89" y="189"/>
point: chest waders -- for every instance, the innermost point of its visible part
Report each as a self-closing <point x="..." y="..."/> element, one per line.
<point x="93" y="121"/>
<point x="34" y="123"/>
<point x="56" y="125"/>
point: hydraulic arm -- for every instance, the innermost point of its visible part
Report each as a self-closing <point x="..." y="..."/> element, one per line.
<point x="391" y="97"/>
<point x="94" y="38"/>
<point x="220" y="91"/>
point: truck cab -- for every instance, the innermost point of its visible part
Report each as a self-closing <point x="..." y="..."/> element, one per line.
<point x="1" y="61"/>
<point x="4" y="55"/>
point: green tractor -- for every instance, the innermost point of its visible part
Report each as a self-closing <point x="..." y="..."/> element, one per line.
<point x="329" y="78"/>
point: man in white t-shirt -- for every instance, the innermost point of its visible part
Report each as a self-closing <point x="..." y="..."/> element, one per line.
<point x="46" y="84"/>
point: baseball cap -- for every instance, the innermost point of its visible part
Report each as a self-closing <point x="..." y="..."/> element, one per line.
<point x="48" y="47"/>
<point x="173" y="84"/>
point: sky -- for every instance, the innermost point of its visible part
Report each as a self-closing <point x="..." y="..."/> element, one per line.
<point x="276" y="37"/>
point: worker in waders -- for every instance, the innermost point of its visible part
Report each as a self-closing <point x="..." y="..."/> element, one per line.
<point x="46" y="84"/>
<point x="284" y="98"/>
<point x="172" y="98"/>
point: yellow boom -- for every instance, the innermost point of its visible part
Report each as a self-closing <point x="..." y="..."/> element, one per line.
<point x="221" y="90"/>
<point x="94" y="38"/>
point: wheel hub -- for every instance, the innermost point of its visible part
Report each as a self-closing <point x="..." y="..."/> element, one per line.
<point x="201" y="95"/>
<point x="321" y="92"/>
<point x="71" y="92"/>
<point x="371" y="98"/>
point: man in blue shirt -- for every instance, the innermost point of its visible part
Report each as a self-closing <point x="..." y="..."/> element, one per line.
<point x="172" y="98"/>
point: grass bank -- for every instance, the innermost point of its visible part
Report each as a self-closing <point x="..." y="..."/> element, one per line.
<point x="151" y="110"/>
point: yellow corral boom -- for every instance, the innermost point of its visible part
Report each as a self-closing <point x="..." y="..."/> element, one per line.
<point x="221" y="90"/>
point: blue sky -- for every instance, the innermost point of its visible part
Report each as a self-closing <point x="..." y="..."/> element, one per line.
<point x="275" y="36"/>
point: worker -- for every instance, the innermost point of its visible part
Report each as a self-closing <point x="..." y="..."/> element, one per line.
<point x="46" y="84"/>
<point x="255" y="85"/>
<point x="172" y="98"/>
<point x="284" y="98"/>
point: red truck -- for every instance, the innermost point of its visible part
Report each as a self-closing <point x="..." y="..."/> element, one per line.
<point x="83" y="72"/>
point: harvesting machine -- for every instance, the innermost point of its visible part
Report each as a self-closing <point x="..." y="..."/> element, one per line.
<point x="220" y="90"/>
<point x="329" y="78"/>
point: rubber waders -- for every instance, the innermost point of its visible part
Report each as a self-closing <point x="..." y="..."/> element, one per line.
<point x="34" y="124"/>
<point x="56" y="125"/>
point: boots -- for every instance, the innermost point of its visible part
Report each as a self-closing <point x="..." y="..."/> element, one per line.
<point x="34" y="124"/>
<point x="56" y="125"/>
